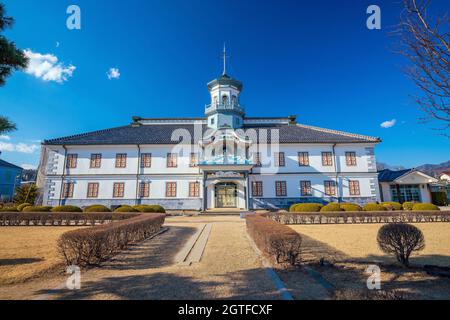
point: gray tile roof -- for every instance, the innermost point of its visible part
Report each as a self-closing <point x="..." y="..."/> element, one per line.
<point x="162" y="134"/>
<point x="4" y="164"/>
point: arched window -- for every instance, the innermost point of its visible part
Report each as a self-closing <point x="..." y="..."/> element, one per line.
<point x="225" y="99"/>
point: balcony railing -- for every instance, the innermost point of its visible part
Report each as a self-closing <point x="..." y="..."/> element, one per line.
<point x="224" y="106"/>
<point x="225" y="160"/>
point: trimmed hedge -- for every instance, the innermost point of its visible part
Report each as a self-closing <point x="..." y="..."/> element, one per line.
<point x="331" y="207"/>
<point x="22" y="206"/>
<point x="67" y="209"/>
<point x="439" y="198"/>
<point x="276" y="240"/>
<point x="144" y="208"/>
<point x="97" y="208"/>
<point x="37" y="209"/>
<point x="425" y="207"/>
<point x="60" y="218"/>
<point x="9" y="209"/>
<point x="126" y="209"/>
<point x="90" y="247"/>
<point x="351" y="207"/>
<point x="306" y="207"/>
<point x="359" y="217"/>
<point x="374" y="207"/>
<point x="392" y="206"/>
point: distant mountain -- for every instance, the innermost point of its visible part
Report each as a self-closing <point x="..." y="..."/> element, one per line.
<point x="433" y="170"/>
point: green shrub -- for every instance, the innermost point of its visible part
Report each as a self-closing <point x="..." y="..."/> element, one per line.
<point x="439" y="198"/>
<point x="374" y="207"/>
<point x="351" y="207"/>
<point x="37" y="209"/>
<point x="391" y="206"/>
<point x="305" y="207"/>
<point x="20" y="207"/>
<point x="97" y="208"/>
<point x="9" y="209"/>
<point x="150" y="208"/>
<point x="331" y="207"/>
<point x="425" y="207"/>
<point x="409" y="205"/>
<point x="126" y="209"/>
<point x="67" y="209"/>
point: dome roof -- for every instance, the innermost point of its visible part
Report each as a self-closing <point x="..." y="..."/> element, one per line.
<point x="225" y="80"/>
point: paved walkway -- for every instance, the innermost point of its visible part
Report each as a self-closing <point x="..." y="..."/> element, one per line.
<point x="228" y="269"/>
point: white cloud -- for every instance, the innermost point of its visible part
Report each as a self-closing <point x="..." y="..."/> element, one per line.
<point x="113" y="73"/>
<point x="47" y="67"/>
<point x="20" y="147"/>
<point x="29" y="166"/>
<point x="5" y="137"/>
<point x="389" y="124"/>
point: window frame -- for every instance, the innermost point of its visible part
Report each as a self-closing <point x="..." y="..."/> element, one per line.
<point x="144" y="189"/>
<point x="354" y="187"/>
<point x="257" y="189"/>
<point x="327" y="159"/>
<point x="350" y="159"/>
<point x="330" y="185"/>
<point x="172" y="160"/>
<point x="118" y="190"/>
<point x="306" y="185"/>
<point x="68" y="188"/>
<point x="303" y="159"/>
<point x="90" y="194"/>
<point x="146" y="160"/>
<point x="72" y="161"/>
<point x="121" y="160"/>
<point x="281" y="188"/>
<point x="171" y="192"/>
<point x="280" y="159"/>
<point x="194" y="189"/>
<point x="96" y="161"/>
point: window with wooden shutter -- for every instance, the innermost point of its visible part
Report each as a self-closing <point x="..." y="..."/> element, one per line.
<point x="96" y="161"/>
<point x="257" y="188"/>
<point x="121" y="160"/>
<point x="280" y="188"/>
<point x="146" y="160"/>
<point x="305" y="188"/>
<point x="354" y="188"/>
<point x="172" y="160"/>
<point x="119" y="190"/>
<point x="68" y="190"/>
<point x="327" y="159"/>
<point x="303" y="159"/>
<point x="330" y="188"/>
<point x="171" y="189"/>
<point x="92" y="191"/>
<point x="72" y="160"/>
<point x="279" y="159"/>
<point x="350" y="159"/>
<point x="194" y="189"/>
<point x="144" y="189"/>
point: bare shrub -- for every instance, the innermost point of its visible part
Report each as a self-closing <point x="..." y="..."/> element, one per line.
<point x="400" y="239"/>
<point x="352" y="294"/>
<point x="276" y="240"/>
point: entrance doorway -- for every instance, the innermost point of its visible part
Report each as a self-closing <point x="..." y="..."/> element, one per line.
<point x="226" y="195"/>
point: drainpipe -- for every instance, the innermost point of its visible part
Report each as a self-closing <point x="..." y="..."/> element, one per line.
<point x="138" y="173"/>
<point x="337" y="174"/>
<point x="63" y="175"/>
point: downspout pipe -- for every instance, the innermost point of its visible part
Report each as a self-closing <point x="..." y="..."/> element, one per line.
<point x="138" y="174"/>
<point x="337" y="173"/>
<point x="63" y="175"/>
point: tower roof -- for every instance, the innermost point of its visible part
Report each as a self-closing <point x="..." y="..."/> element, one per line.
<point x="225" y="79"/>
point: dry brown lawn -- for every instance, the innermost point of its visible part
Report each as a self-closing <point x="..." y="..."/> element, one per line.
<point x="359" y="242"/>
<point x="26" y="252"/>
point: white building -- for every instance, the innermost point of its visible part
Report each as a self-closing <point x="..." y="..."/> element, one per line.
<point x="222" y="160"/>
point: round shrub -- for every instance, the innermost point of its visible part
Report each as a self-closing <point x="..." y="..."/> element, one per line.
<point x="67" y="209"/>
<point x="425" y="207"/>
<point x="20" y="207"/>
<point x="97" y="208"/>
<point x="392" y="206"/>
<point x="400" y="239"/>
<point x="333" y="207"/>
<point x="126" y="209"/>
<point x="374" y="207"/>
<point x="408" y="205"/>
<point x="306" y="207"/>
<point x="351" y="207"/>
<point x="37" y="209"/>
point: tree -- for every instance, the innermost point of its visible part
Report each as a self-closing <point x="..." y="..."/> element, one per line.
<point x="426" y="43"/>
<point x="11" y="58"/>
<point x="400" y="239"/>
<point x="27" y="193"/>
<point x="6" y="125"/>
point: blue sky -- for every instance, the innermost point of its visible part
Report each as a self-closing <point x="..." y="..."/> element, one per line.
<point x="317" y="60"/>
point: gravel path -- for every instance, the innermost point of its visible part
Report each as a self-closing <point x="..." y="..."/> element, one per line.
<point x="229" y="269"/>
